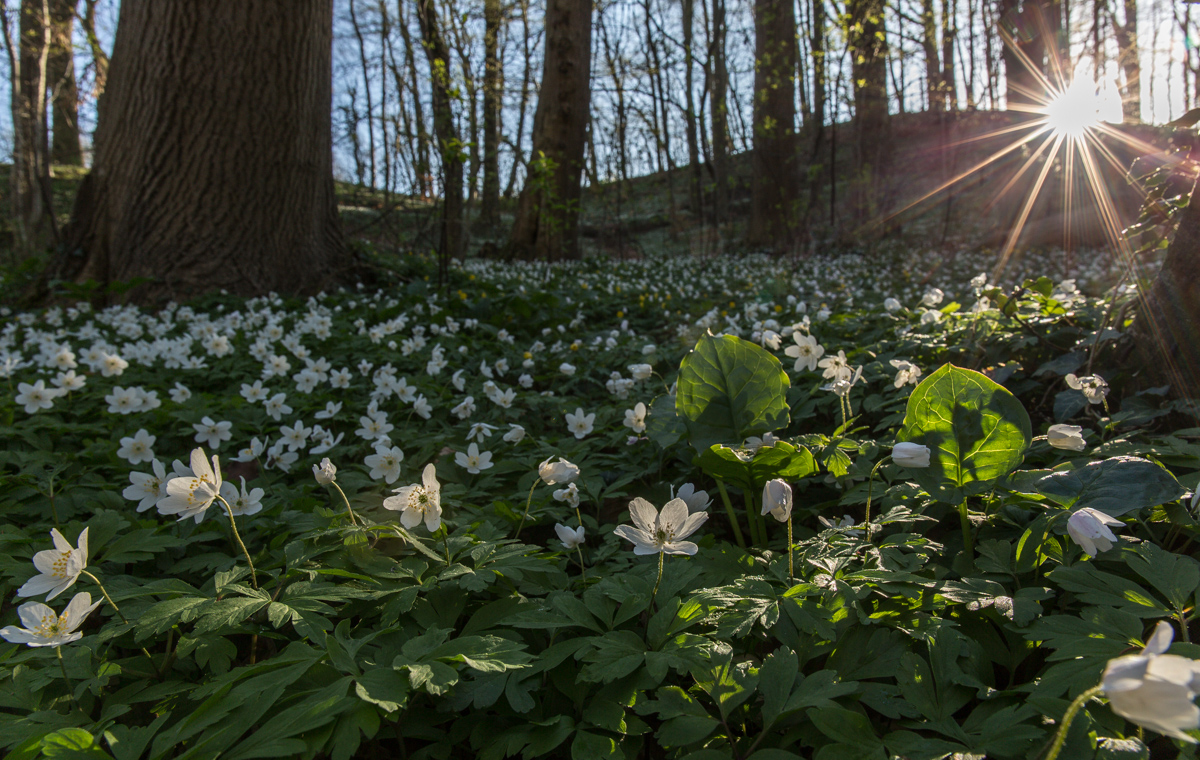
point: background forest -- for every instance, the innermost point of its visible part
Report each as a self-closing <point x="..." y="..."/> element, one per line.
<point x="640" y="379"/>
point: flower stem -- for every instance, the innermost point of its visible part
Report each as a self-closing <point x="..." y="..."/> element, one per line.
<point x="107" y="598"/>
<point x="582" y="569"/>
<point x="526" y="513"/>
<point x="70" y="686"/>
<point x="654" y="593"/>
<point x="121" y="615"/>
<point x="1065" y="724"/>
<point x="446" y="543"/>
<point x="968" y="538"/>
<point x="791" y="562"/>
<point x="733" y="521"/>
<point x="345" y="499"/>
<point x="237" y="537"/>
<point x="870" y="487"/>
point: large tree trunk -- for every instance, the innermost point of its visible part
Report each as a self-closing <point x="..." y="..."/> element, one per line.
<point x="547" y="223"/>
<point x="204" y="177"/>
<point x="60" y="74"/>
<point x="450" y="148"/>
<point x="949" y="33"/>
<point x="1166" y="328"/>
<point x="489" y="212"/>
<point x="775" y="181"/>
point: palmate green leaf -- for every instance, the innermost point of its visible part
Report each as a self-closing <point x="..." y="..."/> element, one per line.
<point x="729" y="389"/>
<point x="1176" y="576"/>
<point x="977" y="432"/>
<point x="490" y="654"/>
<point x="664" y="426"/>
<point x="1097" y="587"/>
<point x="1114" y="486"/>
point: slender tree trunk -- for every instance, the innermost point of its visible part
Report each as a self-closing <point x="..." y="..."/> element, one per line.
<point x="489" y="212"/>
<point x="693" y="143"/>
<point x="949" y="32"/>
<point x="775" y="181"/>
<point x="384" y="32"/>
<point x="449" y="146"/>
<point x="366" y="74"/>
<point x="205" y="178"/>
<point x="720" y="123"/>
<point x="517" y="159"/>
<point x="33" y="218"/>
<point x="424" y="177"/>
<point x="99" y="59"/>
<point x="1128" y="58"/>
<point x="60" y="74"/>
<point x="933" y="66"/>
<point x="868" y="50"/>
<point x="547" y="223"/>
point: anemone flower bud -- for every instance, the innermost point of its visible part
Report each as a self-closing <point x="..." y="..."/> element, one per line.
<point x="1089" y="528"/>
<point x="570" y="537"/>
<point x="777" y="499"/>
<point x="325" y="472"/>
<point x="1068" y="437"/>
<point x="553" y="473"/>
<point x="910" y="455"/>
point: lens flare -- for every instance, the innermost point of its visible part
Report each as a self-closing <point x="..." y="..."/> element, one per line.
<point x="1076" y="110"/>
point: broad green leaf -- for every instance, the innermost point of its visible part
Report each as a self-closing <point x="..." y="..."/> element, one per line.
<point x="1114" y="486"/>
<point x="1097" y="587"/>
<point x="664" y="426"/>
<point x="616" y="654"/>
<point x="589" y="746"/>
<point x="751" y="470"/>
<point x="730" y="389"/>
<point x="977" y="432"/>
<point x="775" y="679"/>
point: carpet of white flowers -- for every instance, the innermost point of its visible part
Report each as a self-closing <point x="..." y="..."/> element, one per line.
<point x="498" y="520"/>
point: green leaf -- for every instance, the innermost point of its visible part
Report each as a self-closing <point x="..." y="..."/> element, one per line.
<point x="616" y="654"/>
<point x="588" y="745"/>
<point x="1114" y="486"/>
<point x="746" y="471"/>
<point x="775" y="679"/>
<point x="847" y="727"/>
<point x="664" y="426"/>
<point x="729" y="389"/>
<point x="490" y="654"/>
<point x="1103" y="589"/>
<point x="977" y="432"/>
<point x="1176" y="576"/>
<point x="162" y="616"/>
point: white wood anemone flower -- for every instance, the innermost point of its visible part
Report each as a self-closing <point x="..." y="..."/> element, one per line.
<point x="192" y="496"/>
<point x="46" y="628"/>
<point x="58" y="568"/>
<point x="655" y="532"/>
<point x="1154" y="689"/>
<point x="419" y="502"/>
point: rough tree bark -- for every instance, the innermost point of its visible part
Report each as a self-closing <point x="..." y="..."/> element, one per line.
<point x="775" y="181"/>
<point x="547" y="223"/>
<point x="693" y="143"/>
<point x="1169" y="320"/>
<point x="60" y="75"/>
<point x="213" y="162"/>
<point x="449" y="146"/>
